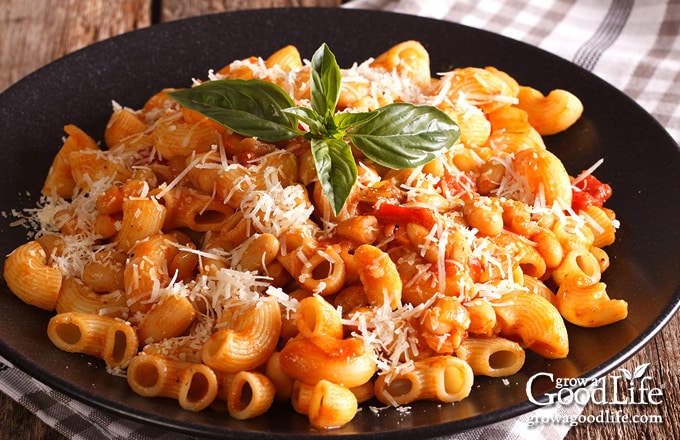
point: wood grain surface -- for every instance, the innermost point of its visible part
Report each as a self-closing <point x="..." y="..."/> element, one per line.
<point x="34" y="33"/>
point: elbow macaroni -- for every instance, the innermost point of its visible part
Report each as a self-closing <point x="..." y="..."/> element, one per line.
<point x="212" y="267"/>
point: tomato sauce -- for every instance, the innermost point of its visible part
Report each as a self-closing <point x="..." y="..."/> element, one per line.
<point x="589" y="191"/>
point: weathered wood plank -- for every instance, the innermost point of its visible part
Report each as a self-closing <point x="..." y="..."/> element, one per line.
<point x="35" y="33"/>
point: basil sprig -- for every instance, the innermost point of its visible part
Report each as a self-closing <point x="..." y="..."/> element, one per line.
<point x="253" y="108"/>
<point x="398" y="135"/>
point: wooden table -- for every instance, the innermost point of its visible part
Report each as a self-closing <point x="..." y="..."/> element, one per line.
<point x="33" y="33"/>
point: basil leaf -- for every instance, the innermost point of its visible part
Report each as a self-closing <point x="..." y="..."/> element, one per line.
<point x="325" y="81"/>
<point x="252" y="108"/>
<point x="345" y="121"/>
<point x="403" y="135"/>
<point x="336" y="169"/>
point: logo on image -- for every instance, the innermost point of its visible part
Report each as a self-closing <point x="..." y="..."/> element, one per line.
<point x="629" y="388"/>
<point x="622" y="388"/>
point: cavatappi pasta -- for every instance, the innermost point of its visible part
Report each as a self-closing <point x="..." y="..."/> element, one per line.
<point x="214" y="270"/>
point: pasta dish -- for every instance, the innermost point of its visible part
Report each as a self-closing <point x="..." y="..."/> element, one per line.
<point x="386" y="233"/>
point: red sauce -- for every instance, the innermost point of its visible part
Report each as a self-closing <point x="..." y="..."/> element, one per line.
<point x="401" y="215"/>
<point x="246" y="157"/>
<point x="589" y="192"/>
<point x="459" y="185"/>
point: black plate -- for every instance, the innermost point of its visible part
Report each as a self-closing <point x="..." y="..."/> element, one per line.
<point x="642" y="163"/>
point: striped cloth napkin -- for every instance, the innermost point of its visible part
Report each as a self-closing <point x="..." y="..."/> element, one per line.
<point x="634" y="45"/>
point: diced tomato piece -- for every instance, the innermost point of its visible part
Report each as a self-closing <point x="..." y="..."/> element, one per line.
<point x="589" y="191"/>
<point x="475" y="267"/>
<point x="458" y="185"/>
<point x="403" y="215"/>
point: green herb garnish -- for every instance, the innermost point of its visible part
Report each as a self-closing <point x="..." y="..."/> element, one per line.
<point x="398" y="135"/>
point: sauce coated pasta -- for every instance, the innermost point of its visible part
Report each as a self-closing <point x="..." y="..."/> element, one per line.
<point x="217" y="273"/>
